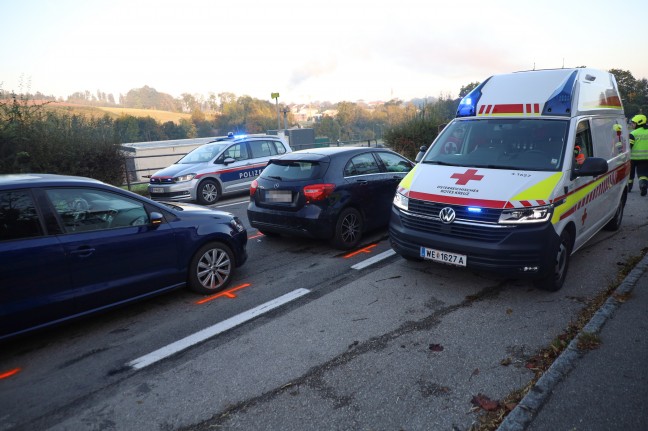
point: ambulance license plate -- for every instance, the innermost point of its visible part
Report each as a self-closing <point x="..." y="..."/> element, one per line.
<point x="157" y="190"/>
<point x="443" y="256"/>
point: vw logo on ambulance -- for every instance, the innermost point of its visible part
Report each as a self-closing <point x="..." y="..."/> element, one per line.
<point x="447" y="215"/>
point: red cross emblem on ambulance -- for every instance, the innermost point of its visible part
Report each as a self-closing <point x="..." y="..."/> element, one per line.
<point x="470" y="174"/>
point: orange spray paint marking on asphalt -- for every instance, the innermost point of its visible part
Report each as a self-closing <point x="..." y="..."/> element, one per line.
<point x="9" y="373"/>
<point x="258" y="235"/>
<point x="367" y="249"/>
<point x="226" y="293"/>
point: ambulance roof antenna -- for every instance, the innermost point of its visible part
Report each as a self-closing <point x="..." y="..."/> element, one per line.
<point x="563" y="62"/>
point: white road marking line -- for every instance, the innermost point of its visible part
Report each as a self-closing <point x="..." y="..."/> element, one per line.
<point x="216" y="329"/>
<point x="372" y="260"/>
<point x="233" y="203"/>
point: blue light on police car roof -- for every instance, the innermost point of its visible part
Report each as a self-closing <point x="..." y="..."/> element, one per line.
<point x="474" y="209"/>
<point x="240" y="136"/>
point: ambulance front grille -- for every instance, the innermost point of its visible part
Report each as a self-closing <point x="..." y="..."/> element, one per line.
<point x="424" y="217"/>
<point x="432" y="209"/>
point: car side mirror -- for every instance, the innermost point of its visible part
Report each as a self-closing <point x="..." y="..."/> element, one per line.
<point x="421" y="153"/>
<point x="156" y="218"/>
<point x="229" y="160"/>
<point x="591" y="167"/>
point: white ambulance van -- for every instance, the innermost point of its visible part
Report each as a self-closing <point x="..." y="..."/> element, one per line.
<point x="534" y="164"/>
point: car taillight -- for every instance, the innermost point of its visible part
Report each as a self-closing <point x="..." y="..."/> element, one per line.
<point x="253" y="187"/>
<point x="317" y="192"/>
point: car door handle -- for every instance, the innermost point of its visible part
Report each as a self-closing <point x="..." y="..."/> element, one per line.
<point x="83" y="251"/>
<point x="362" y="182"/>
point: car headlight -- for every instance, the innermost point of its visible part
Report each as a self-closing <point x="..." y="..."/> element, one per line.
<point x="401" y="201"/>
<point x="237" y="225"/>
<point x="526" y="215"/>
<point x="183" y="178"/>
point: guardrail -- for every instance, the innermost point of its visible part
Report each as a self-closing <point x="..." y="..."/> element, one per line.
<point x="132" y="172"/>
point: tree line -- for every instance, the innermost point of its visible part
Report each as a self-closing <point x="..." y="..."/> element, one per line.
<point x="34" y="138"/>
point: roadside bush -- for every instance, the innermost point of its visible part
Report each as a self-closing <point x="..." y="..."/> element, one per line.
<point x="420" y="130"/>
<point x="408" y="137"/>
<point x="35" y="140"/>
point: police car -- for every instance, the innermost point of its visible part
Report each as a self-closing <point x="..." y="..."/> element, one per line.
<point x="225" y="166"/>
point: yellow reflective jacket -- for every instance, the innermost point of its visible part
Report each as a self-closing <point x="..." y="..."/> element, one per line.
<point x="639" y="144"/>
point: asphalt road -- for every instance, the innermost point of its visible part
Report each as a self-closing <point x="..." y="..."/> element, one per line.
<point x="393" y="345"/>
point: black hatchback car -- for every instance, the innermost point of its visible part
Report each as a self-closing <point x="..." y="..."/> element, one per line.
<point x="70" y="246"/>
<point x="334" y="193"/>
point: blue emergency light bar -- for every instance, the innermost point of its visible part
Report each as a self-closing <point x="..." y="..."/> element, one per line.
<point x="560" y="102"/>
<point x="468" y="105"/>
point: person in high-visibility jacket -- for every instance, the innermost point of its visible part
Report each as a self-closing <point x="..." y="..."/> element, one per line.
<point x="639" y="152"/>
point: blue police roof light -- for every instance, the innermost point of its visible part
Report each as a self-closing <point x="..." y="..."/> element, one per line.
<point x="468" y="105"/>
<point x="560" y="101"/>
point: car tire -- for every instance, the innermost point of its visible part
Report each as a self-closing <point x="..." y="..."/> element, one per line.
<point x="615" y="223"/>
<point x="348" y="229"/>
<point x="208" y="192"/>
<point x="211" y="268"/>
<point x="555" y="280"/>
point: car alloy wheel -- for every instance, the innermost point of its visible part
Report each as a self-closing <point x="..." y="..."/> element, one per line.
<point x="208" y="192"/>
<point x="211" y="268"/>
<point x="348" y="229"/>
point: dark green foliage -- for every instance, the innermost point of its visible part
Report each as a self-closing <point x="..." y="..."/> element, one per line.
<point x="247" y="115"/>
<point x="35" y="140"/>
<point x="407" y="138"/>
<point x="420" y="130"/>
<point x="634" y="92"/>
<point x="148" y="98"/>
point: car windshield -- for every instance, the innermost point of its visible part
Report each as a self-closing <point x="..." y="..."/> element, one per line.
<point x="293" y="170"/>
<point x="527" y="144"/>
<point x="204" y="153"/>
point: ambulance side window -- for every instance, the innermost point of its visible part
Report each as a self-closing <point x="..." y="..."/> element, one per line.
<point x="583" y="143"/>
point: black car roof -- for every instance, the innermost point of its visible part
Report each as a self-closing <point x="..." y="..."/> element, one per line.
<point x="324" y="152"/>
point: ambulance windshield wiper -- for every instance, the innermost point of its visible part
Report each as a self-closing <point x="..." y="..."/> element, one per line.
<point x="437" y="162"/>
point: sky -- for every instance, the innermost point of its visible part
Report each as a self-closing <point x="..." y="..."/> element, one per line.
<point x="307" y="51"/>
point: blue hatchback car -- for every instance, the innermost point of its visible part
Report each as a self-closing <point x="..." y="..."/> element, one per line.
<point x="70" y="246"/>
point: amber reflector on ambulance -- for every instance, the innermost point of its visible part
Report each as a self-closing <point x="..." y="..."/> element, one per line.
<point x="560" y="102"/>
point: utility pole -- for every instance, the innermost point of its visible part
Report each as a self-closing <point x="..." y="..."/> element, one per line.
<point x="275" y="96"/>
<point x="285" y="115"/>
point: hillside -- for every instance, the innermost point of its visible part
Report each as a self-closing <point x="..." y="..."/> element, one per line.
<point x="114" y="112"/>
